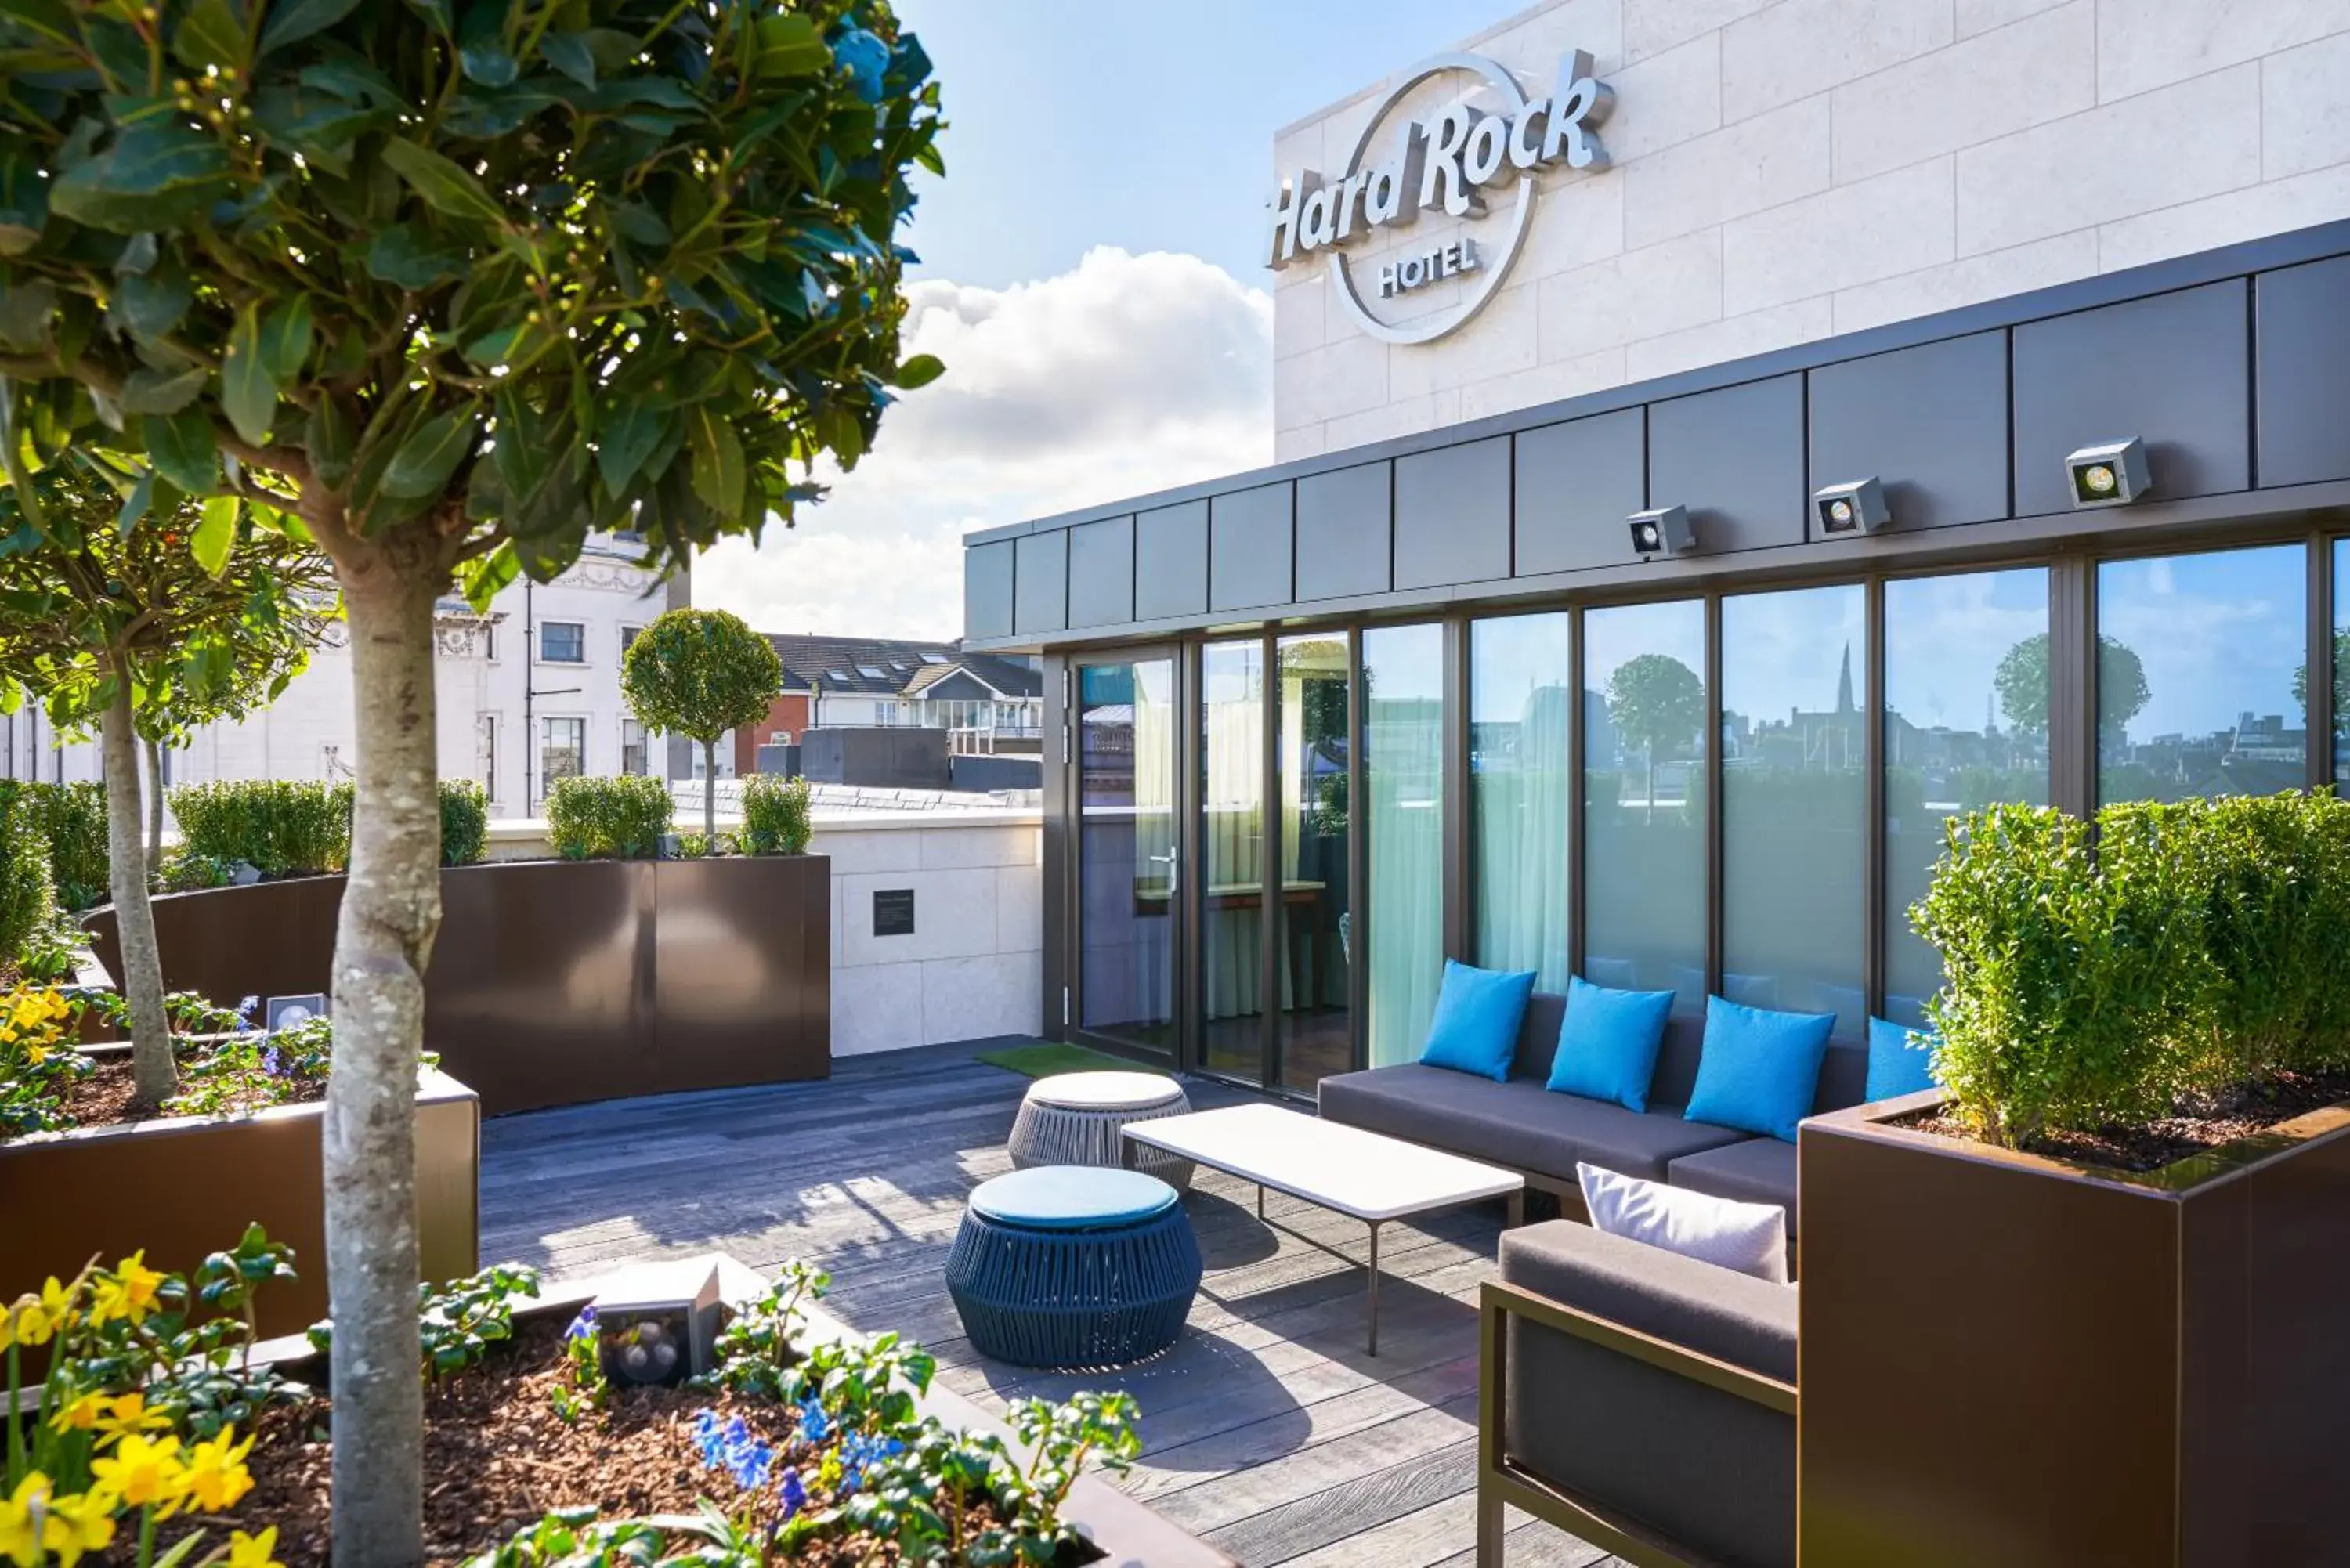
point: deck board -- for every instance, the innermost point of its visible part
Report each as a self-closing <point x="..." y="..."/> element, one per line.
<point x="1267" y="1428"/>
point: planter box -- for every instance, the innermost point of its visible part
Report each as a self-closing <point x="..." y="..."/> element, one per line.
<point x="2016" y="1361"/>
<point x="558" y="981"/>
<point x="182" y="1186"/>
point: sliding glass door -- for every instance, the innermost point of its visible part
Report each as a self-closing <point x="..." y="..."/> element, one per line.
<point x="1128" y="861"/>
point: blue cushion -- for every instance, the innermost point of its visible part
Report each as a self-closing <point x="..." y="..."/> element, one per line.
<point x="1475" y="1029"/>
<point x="1071" y="1198"/>
<point x="1608" y="1041"/>
<point x="1900" y="1060"/>
<point x="1759" y="1071"/>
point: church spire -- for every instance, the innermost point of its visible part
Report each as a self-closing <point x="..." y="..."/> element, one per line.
<point x="1844" y="703"/>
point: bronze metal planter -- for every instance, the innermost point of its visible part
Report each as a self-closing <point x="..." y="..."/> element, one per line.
<point x="555" y="982"/>
<point x="2020" y="1362"/>
<point x="181" y="1187"/>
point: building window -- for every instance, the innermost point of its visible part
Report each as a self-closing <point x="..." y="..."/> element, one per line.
<point x="2342" y="661"/>
<point x="629" y="635"/>
<point x="562" y="642"/>
<point x="564" y="753"/>
<point x="2201" y="673"/>
<point x="1794" y="801"/>
<point x="1644" y="845"/>
<point x="1520" y="700"/>
<point x="1231" y="910"/>
<point x="1966" y="725"/>
<point x="1403" y="789"/>
<point x="632" y="747"/>
<point x="485" y="748"/>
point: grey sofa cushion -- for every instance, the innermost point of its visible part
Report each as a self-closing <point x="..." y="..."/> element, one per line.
<point x="1518" y="1124"/>
<point x="1759" y="1171"/>
<point x="1711" y="1470"/>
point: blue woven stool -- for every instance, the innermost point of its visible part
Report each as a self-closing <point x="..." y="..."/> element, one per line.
<point x="1067" y="1265"/>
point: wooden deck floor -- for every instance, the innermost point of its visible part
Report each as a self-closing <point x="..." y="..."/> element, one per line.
<point x="1266" y="1429"/>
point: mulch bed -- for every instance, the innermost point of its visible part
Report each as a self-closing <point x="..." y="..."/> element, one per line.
<point x="2193" y="1129"/>
<point x="103" y="1098"/>
<point x="497" y="1458"/>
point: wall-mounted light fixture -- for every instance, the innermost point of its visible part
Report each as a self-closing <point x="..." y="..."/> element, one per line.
<point x="1665" y="531"/>
<point x="1859" y="507"/>
<point x="2111" y="474"/>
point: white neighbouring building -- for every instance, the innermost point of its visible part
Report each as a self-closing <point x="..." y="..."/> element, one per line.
<point x="529" y="691"/>
<point x="1783" y="170"/>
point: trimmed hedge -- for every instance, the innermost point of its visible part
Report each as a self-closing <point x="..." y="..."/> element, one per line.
<point x="28" y="905"/>
<point x="775" y="816"/>
<point x="72" y="817"/>
<point x="2100" y="973"/>
<point x="608" y="818"/>
<point x="298" y="829"/>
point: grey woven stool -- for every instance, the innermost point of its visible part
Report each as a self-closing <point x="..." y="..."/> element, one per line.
<point x="1079" y="1118"/>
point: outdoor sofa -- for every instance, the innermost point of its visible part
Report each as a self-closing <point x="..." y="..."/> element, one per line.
<point x="1641" y="1400"/>
<point x="1542" y="1134"/>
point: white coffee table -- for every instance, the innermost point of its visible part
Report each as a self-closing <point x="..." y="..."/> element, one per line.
<point x="1367" y="1175"/>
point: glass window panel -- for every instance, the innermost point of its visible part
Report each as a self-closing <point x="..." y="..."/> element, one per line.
<point x="564" y="753"/>
<point x="1403" y="766"/>
<point x="1962" y="730"/>
<point x="1794" y="802"/>
<point x="1126" y="850"/>
<point x="632" y="747"/>
<point x="2342" y="661"/>
<point x="562" y="642"/>
<point x="1232" y="881"/>
<point x="1519" y="704"/>
<point x="2200" y="674"/>
<point x="1316" y="1038"/>
<point x="1644" y="804"/>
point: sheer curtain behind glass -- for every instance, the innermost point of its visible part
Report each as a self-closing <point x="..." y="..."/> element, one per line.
<point x="1644" y="799"/>
<point x="1311" y="762"/>
<point x="1403" y="764"/>
<point x="1520" y="704"/>
<point x="1231" y="720"/>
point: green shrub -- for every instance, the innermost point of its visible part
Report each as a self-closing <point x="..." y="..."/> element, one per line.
<point x="464" y="822"/>
<point x="72" y="817"/>
<point x="28" y="903"/>
<point x="184" y="873"/>
<point x="281" y="828"/>
<point x="775" y="816"/>
<point x="608" y="818"/>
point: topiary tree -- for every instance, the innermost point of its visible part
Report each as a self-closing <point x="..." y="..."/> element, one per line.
<point x="117" y="628"/>
<point x="456" y="286"/>
<point x="700" y="673"/>
<point x="1656" y="701"/>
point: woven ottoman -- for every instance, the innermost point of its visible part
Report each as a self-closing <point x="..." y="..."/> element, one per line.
<point x="1079" y="1118"/>
<point x="1068" y="1265"/>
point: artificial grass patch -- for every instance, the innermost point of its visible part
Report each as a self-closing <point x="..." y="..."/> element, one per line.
<point x="1045" y="1058"/>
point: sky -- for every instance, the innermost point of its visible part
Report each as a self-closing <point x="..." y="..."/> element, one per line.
<point x="1088" y="274"/>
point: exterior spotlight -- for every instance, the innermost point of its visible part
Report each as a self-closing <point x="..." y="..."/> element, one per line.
<point x="660" y="1328"/>
<point x="2112" y="475"/>
<point x="1664" y="531"/>
<point x="1856" y="508"/>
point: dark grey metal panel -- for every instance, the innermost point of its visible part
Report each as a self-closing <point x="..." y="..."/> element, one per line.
<point x="987" y="590"/>
<point x="1930" y="422"/>
<point x="1101" y="572"/>
<point x="1248" y="548"/>
<point x="2303" y="330"/>
<point x="1345" y="531"/>
<point x="1576" y="484"/>
<point x="1040" y="582"/>
<point x="1452" y="514"/>
<point x="1735" y="459"/>
<point x="2171" y="369"/>
<point x="1171" y="561"/>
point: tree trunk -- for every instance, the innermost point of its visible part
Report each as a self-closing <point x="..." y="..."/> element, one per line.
<point x="154" y="806"/>
<point x="154" y="1079"/>
<point x="710" y="791"/>
<point x="391" y="911"/>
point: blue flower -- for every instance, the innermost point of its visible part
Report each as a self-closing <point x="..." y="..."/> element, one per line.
<point x="272" y="1064"/>
<point x="859" y="1451"/>
<point x="816" y="1427"/>
<point x="750" y="1464"/>
<point x="794" y="1492"/>
<point x="710" y="1438"/>
<point x="583" y="1327"/>
<point x="244" y="1008"/>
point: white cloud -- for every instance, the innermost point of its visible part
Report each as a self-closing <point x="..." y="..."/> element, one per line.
<point x="1124" y="376"/>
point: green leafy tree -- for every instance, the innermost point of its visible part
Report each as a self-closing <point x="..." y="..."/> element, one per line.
<point x="1655" y="701"/>
<point x="457" y="285"/>
<point x="2022" y="682"/>
<point x="2341" y="686"/>
<point x="115" y="630"/>
<point x="700" y="673"/>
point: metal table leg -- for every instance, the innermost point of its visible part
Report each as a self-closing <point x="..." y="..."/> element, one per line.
<point x="1373" y="1349"/>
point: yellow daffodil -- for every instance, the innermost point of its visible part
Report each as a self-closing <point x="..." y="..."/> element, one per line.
<point x="36" y="1053"/>
<point x="78" y="1524"/>
<point x="82" y="1415"/>
<point x="36" y="1318"/>
<point x="20" y="1540"/>
<point x="143" y="1472"/>
<point x="129" y="1291"/>
<point x="253" y="1551"/>
<point x="215" y="1476"/>
<point x="130" y="1414"/>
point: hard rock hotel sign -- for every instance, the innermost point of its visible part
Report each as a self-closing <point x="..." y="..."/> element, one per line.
<point x="1446" y="163"/>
